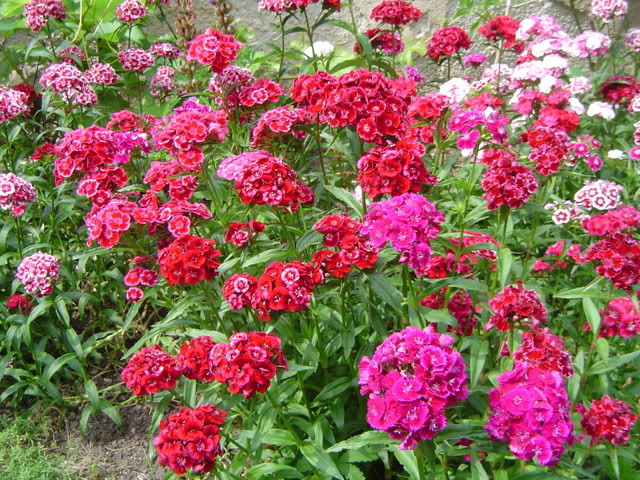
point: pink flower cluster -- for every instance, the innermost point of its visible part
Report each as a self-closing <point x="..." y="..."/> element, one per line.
<point x="38" y="12"/>
<point x="606" y="10"/>
<point x="408" y="222"/>
<point x="162" y="81"/>
<point x="15" y="193"/>
<point x="130" y="10"/>
<point x="278" y="122"/>
<point x="215" y="49"/>
<point x="139" y="276"/>
<point x="620" y="318"/>
<point x="101" y="74"/>
<point x="613" y="221"/>
<point x="37" y="273"/>
<point x="410" y="379"/>
<point x="531" y="413"/>
<point x="165" y="50"/>
<point x="632" y="39"/>
<point x="135" y="59"/>
<point x="12" y="103"/>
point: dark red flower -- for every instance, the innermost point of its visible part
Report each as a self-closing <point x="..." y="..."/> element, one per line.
<point x="189" y="260"/>
<point x="193" y="361"/>
<point x="215" y="49"/>
<point x="508" y="183"/>
<point x="20" y="302"/>
<point x="516" y="306"/>
<point x="150" y="371"/>
<point x="618" y="259"/>
<point x="502" y="27"/>
<point x="619" y="89"/>
<point x="545" y="351"/>
<point x="238" y="290"/>
<point x="608" y="420"/>
<point x="396" y="12"/>
<point x="447" y="41"/>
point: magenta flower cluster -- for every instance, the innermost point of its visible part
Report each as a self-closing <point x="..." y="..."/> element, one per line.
<point x="408" y="222"/>
<point x="531" y="413"/>
<point x="12" y="103"/>
<point x="37" y="273"/>
<point x="410" y="380"/>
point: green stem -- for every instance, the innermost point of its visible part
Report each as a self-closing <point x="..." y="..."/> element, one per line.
<point x="310" y="35"/>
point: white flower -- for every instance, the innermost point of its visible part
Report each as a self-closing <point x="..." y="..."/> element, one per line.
<point x="456" y="89"/>
<point x="576" y="106"/>
<point x="547" y="83"/>
<point x="601" y="109"/>
<point x="321" y="49"/>
<point x="615" y="154"/>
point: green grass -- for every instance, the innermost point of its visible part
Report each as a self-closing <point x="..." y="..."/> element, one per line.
<point x="24" y="454"/>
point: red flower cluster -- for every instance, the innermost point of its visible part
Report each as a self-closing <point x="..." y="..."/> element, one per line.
<point x="394" y="169"/>
<point x="20" y="302"/>
<point x="241" y="234"/>
<point x="190" y="439"/>
<point x="516" y="305"/>
<point x="429" y="107"/>
<point x="502" y="27"/>
<point x="150" y="371"/>
<point x="558" y="119"/>
<point x="620" y="318"/>
<point x="248" y="362"/>
<point x="396" y="12"/>
<point x="266" y="180"/>
<point x="182" y="132"/>
<point x="607" y="420"/>
<point x="354" y="249"/>
<point x="508" y="182"/>
<point x="194" y="359"/>
<point x="285" y="286"/>
<point x="619" y="89"/>
<point x="549" y="148"/>
<point x="238" y="290"/>
<point x="613" y="221"/>
<point x="386" y="41"/>
<point x="559" y="256"/>
<point x="215" y="49"/>
<point x="618" y="256"/>
<point x="127" y="121"/>
<point x="368" y="101"/>
<point x="542" y="350"/>
<point x="262" y="91"/>
<point x="460" y="306"/>
<point x="278" y="123"/>
<point x="448" y="41"/>
<point x="189" y="260"/>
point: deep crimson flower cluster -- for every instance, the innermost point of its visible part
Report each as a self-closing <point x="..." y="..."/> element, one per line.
<point x="408" y="222"/>
<point x="516" y="306"/>
<point x="183" y="132"/>
<point x="608" y="420"/>
<point x="135" y="59"/>
<point x="266" y="180"/>
<point x="38" y="12"/>
<point x="215" y="49"/>
<point x="239" y="289"/>
<point x="502" y="27"/>
<point x="394" y="169"/>
<point x="285" y="287"/>
<point x="241" y="234"/>
<point x="278" y="123"/>
<point x="531" y="413"/>
<point x="130" y="10"/>
<point x="620" y="318"/>
<point x="149" y="371"/>
<point x="542" y="350"/>
<point x="45" y="150"/>
<point x="368" y="101"/>
<point x="15" y="193"/>
<point x="20" y="302"/>
<point x="386" y="41"/>
<point x="190" y="439"/>
<point x="618" y="258"/>
<point x="447" y="41"/>
<point x="100" y="74"/>
<point x="509" y="183"/>
<point x="396" y="12"/>
<point x="619" y="89"/>
<point x="194" y="359"/>
<point x="410" y="379"/>
<point x="548" y="149"/>
<point x="460" y="306"/>
<point x="37" y="273"/>
<point x="248" y="362"/>
<point x="355" y="250"/>
<point x="189" y="260"/>
<point x="12" y="103"/>
<point x="613" y="221"/>
<point x="463" y="264"/>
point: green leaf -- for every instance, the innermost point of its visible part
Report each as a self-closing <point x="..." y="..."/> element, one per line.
<point x="505" y="259"/>
<point x="334" y="388"/>
<point x="602" y="345"/>
<point x="409" y="461"/>
<point x="479" y="351"/>
<point x="614" y="362"/>
<point x="266" y="256"/>
<point x="263" y="469"/>
<point x="592" y="314"/>
<point x="311" y="237"/>
<point x="277" y="436"/>
<point x="477" y="470"/>
<point x="56" y="365"/>
<point x="320" y="459"/>
<point x="439" y="316"/>
<point x="581" y="292"/>
<point x="372" y="437"/>
<point x="346" y="197"/>
<point x="387" y="292"/>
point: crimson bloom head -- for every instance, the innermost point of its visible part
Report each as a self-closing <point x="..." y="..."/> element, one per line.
<point x="150" y="371"/>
